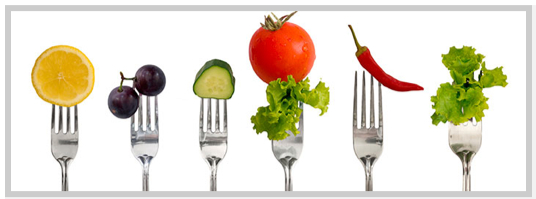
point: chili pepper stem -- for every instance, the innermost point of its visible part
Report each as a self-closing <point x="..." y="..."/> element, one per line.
<point x="360" y="49"/>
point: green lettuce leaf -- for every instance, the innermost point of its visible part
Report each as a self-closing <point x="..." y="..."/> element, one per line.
<point x="463" y="99"/>
<point x="318" y="97"/>
<point x="282" y="113"/>
<point x="458" y="105"/>
<point x="461" y="79"/>
<point x="462" y="60"/>
<point x="491" y="78"/>
<point x="473" y="104"/>
<point x="446" y="104"/>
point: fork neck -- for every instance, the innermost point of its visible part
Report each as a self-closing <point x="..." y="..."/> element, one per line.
<point x="287" y="164"/>
<point x="213" y="180"/>
<point x="368" y="164"/>
<point x="466" y="158"/>
<point x="64" y="163"/>
<point x="368" y="175"/>
<point x="145" y="161"/>
<point x="213" y="163"/>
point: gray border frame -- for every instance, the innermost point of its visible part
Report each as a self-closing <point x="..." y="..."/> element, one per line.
<point x="13" y="8"/>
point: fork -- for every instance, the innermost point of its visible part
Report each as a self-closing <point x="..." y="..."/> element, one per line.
<point x="213" y="143"/>
<point x="368" y="142"/>
<point x="465" y="140"/>
<point x="64" y="145"/>
<point x="145" y="142"/>
<point x="288" y="151"/>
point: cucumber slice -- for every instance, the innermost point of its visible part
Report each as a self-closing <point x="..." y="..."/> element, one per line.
<point x="215" y="80"/>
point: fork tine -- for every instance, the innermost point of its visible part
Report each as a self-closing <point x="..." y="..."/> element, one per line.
<point x="68" y="119"/>
<point x="156" y="113"/>
<point x="380" y="116"/>
<point x="140" y="113"/>
<point x="363" y="104"/>
<point x="148" y="116"/>
<point x="217" y="115"/>
<point x="209" y="116"/>
<point x="225" y="116"/>
<point x="75" y="119"/>
<point x="53" y="123"/>
<point x="60" y="127"/>
<point x="132" y="123"/>
<point x="300" y="127"/>
<point x="201" y="116"/>
<point x="355" y="101"/>
<point x="371" y="101"/>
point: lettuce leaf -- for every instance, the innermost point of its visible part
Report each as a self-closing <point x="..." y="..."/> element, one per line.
<point x="494" y="77"/>
<point x="463" y="60"/>
<point x="473" y="104"/>
<point x="463" y="99"/>
<point x="446" y="104"/>
<point x="282" y="113"/>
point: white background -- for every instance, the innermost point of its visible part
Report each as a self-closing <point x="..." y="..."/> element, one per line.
<point x="408" y="45"/>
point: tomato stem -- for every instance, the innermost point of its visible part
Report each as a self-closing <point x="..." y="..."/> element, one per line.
<point x="270" y="24"/>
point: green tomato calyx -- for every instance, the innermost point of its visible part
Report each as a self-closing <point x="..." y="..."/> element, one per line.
<point x="271" y="25"/>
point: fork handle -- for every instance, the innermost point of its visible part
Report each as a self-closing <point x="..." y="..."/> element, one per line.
<point x="145" y="161"/>
<point x="213" y="178"/>
<point x="288" y="178"/>
<point x="368" y="175"/>
<point x="287" y="167"/>
<point x="213" y="163"/>
<point x="146" y="176"/>
<point x="64" y="181"/>
<point x="466" y="158"/>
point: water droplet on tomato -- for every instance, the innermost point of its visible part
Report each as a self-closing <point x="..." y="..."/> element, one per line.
<point x="304" y="48"/>
<point x="289" y="39"/>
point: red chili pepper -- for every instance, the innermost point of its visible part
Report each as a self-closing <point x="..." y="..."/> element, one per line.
<point x="366" y="60"/>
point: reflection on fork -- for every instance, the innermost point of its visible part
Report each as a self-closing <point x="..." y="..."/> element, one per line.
<point x="368" y="142"/>
<point x="288" y="151"/>
<point x="145" y="142"/>
<point x="213" y="143"/>
<point x="64" y="145"/>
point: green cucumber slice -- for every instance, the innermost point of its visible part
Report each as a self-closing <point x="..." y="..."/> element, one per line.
<point x="215" y="80"/>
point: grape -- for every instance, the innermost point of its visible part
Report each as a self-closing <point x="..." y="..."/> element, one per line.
<point x="150" y="80"/>
<point x="123" y="104"/>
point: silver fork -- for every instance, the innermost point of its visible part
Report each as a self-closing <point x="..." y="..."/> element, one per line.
<point x="288" y="151"/>
<point x="465" y="140"/>
<point x="213" y="143"/>
<point x="368" y="142"/>
<point x="145" y="142"/>
<point x="64" y="145"/>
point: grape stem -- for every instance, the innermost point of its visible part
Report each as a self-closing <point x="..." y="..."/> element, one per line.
<point x="122" y="79"/>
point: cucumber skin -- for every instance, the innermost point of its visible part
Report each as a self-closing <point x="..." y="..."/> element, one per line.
<point x="215" y="62"/>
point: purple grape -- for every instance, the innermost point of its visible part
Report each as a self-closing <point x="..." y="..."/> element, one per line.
<point x="123" y="104"/>
<point x="150" y="80"/>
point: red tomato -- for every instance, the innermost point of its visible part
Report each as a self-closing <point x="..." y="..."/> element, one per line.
<point x="276" y="54"/>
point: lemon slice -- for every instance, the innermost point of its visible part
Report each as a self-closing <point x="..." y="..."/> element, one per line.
<point x="63" y="75"/>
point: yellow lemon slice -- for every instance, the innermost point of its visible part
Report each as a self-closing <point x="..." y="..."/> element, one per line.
<point x="63" y="75"/>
